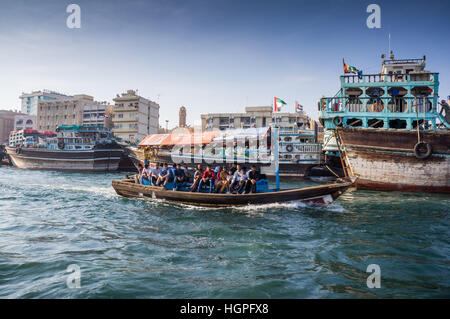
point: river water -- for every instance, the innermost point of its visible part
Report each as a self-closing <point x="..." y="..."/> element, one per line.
<point x="134" y="248"/>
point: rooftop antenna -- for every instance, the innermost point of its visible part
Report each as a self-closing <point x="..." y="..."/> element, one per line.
<point x="391" y="54"/>
<point x="157" y="98"/>
<point x="389" y="43"/>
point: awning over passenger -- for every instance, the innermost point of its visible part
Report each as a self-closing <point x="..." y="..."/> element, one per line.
<point x="178" y="139"/>
<point x="153" y="139"/>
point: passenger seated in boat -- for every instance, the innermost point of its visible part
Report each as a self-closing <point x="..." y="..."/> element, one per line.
<point x="207" y="179"/>
<point x="235" y="179"/>
<point x="197" y="177"/>
<point x="229" y="180"/>
<point x="146" y="175"/>
<point x="179" y="178"/>
<point x="253" y="177"/>
<point x="138" y="177"/>
<point x="242" y="180"/>
<point x="164" y="175"/>
<point x="187" y="174"/>
<point x="221" y="180"/>
<point x="155" y="171"/>
<point x="172" y="173"/>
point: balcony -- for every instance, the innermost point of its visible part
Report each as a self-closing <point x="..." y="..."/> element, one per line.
<point x="125" y="119"/>
<point x="389" y="79"/>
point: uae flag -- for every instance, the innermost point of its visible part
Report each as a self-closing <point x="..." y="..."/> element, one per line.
<point x="298" y="107"/>
<point x="351" y="69"/>
<point x="278" y="104"/>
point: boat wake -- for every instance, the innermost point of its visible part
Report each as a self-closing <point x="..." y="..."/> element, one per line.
<point x="273" y="207"/>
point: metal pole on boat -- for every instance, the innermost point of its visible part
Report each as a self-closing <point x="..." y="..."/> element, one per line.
<point x="275" y="151"/>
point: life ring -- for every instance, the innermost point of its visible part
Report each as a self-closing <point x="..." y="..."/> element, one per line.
<point x="418" y="152"/>
<point x="377" y="107"/>
<point x="289" y="148"/>
<point x="61" y="145"/>
<point x="337" y="121"/>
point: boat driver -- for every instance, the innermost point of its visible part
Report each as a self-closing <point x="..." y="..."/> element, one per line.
<point x="253" y="177"/>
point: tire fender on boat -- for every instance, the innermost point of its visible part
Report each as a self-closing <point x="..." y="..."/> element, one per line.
<point x="418" y="150"/>
<point x="337" y="121"/>
<point x="289" y="148"/>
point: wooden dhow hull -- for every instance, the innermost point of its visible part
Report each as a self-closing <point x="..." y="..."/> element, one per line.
<point x="96" y="160"/>
<point x="323" y="194"/>
<point x="382" y="159"/>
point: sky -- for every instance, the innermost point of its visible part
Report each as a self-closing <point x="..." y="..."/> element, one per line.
<point x="211" y="55"/>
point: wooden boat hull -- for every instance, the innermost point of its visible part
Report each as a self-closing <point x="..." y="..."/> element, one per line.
<point x="381" y="159"/>
<point x="324" y="194"/>
<point x="97" y="160"/>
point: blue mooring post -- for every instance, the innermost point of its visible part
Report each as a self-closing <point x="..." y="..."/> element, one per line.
<point x="275" y="151"/>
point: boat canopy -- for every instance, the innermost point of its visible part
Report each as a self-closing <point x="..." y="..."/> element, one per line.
<point x="241" y="134"/>
<point x="153" y="139"/>
<point x="178" y="139"/>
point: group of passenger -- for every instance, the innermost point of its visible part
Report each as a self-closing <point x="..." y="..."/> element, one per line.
<point x="234" y="179"/>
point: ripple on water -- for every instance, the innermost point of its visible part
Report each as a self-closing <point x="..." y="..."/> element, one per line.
<point x="135" y="248"/>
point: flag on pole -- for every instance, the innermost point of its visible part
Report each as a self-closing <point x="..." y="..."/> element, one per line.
<point x="351" y="69"/>
<point x="298" y="107"/>
<point x="278" y="104"/>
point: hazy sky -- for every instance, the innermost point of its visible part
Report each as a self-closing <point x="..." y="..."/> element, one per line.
<point x="210" y="56"/>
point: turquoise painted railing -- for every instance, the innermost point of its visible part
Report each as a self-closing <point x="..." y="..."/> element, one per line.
<point x="374" y="100"/>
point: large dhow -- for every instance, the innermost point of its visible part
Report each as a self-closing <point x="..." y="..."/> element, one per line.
<point x="72" y="148"/>
<point x="323" y="194"/>
<point x="390" y="129"/>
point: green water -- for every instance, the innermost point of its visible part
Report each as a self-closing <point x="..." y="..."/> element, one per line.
<point x="155" y="249"/>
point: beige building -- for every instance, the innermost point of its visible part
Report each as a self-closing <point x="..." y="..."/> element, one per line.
<point x="98" y="114"/>
<point x="134" y="117"/>
<point x="53" y="113"/>
<point x="24" y="122"/>
<point x="254" y="116"/>
<point x="7" y="124"/>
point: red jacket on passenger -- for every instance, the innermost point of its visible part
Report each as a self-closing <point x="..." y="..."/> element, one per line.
<point x="208" y="174"/>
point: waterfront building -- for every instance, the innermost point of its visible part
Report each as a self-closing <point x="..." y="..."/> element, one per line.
<point x="30" y="101"/>
<point x="134" y="117"/>
<point x="68" y="111"/>
<point x="254" y="116"/>
<point x="24" y="122"/>
<point x="6" y="124"/>
<point x="97" y="114"/>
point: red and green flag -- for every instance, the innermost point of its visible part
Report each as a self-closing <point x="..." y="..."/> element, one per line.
<point x="278" y="104"/>
<point x="351" y="69"/>
<point x="298" y="107"/>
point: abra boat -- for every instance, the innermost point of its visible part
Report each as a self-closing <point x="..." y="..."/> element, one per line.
<point x="323" y="194"/>
<point x="72" y="148"/>
<point x="388" y="128"/>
